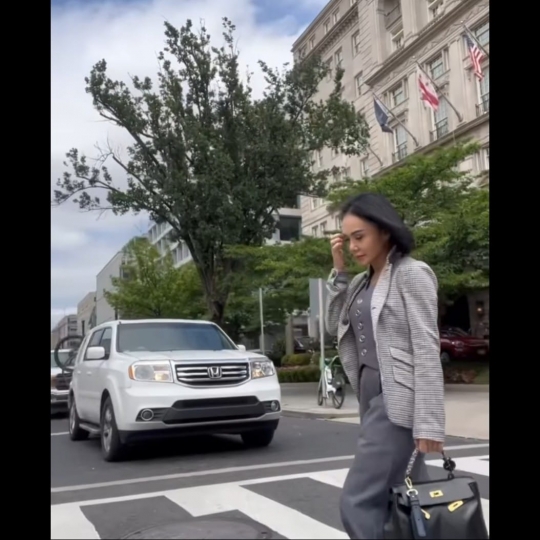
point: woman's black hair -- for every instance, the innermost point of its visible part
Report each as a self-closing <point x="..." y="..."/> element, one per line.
<point x="378" y="210"/>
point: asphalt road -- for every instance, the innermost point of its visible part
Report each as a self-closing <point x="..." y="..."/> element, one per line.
<point x="288" y="490"/>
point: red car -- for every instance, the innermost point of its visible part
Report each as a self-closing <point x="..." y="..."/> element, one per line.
<point x="456" y="344"/>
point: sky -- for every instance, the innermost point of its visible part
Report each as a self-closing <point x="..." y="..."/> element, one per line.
<point x="129" y="34"/>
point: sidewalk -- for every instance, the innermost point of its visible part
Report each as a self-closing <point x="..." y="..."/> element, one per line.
<point x="467" y="407"/>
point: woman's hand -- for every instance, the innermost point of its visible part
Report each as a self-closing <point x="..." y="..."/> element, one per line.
<point x="429" y="447"/>
<point x="336" y="244"/>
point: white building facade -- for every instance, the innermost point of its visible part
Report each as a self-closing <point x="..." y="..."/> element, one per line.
<point x="379" y="44"/>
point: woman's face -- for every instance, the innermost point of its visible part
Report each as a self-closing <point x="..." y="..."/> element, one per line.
<point x="367" y="243"/>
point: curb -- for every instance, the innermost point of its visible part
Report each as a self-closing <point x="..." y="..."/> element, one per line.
<point x="315" y="415"/>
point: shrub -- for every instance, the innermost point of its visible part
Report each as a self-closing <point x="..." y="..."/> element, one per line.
<point x="302" y="359"/>
<point x="330" y="353"/>
<point x="298" y="374"/>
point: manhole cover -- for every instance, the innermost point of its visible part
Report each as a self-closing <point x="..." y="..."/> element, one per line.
<point x="208" y="529"/>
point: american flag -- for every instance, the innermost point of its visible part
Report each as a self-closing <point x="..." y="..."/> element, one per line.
<point x="477" y="55"/>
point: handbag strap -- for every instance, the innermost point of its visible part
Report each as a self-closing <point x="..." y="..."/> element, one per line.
<point x="449" y="466"/>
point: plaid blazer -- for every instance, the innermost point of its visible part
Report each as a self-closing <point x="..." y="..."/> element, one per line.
<point x="404" y="315"/>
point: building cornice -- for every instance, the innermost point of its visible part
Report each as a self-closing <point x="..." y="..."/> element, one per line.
<point x="423" y="38"/>
<point x="335" y="33"/>
<point x="318" y="19"/>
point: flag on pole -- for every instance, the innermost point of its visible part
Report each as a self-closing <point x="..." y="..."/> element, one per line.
<point x="477" y="55"/>
<point x="381" y="116"/>
<point x="428" y="94"/>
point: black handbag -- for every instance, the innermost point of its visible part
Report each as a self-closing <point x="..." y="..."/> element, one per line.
<point x="446" y="509"/>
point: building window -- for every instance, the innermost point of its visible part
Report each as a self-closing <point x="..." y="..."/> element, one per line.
<point x="289" y="228"/>
<point x="435" y="8"/>
<point x="355" y="43"/>
<point x="397" y="39"/>
<point x="315" y="230"/>
<point x="329" y="65"/>
<point x="364" y="168"/>
<point x="353" y="2"/>
<point x="337" y="221"/>
<point x="319" y="158"/>
<point x="440" y="121"/>
<point x="323" y="228"/>
<point x="311" y="43"/>
<point x="397" y="95"/>
<point x="347" y="172"/>
<point x="335" y="16"/>
<point x="486" y="158"/>
<point x="303" y="52"/>
<point x="436" y="67"/>
<point x="400" y="143"/>
<point x="327" y="26"/>
<point x="483" y="94"/>
<point x="315" y="202"/>
<point x="482" y="34"/>
<point x="358" y="81"/>
<point x="338" y="57"/>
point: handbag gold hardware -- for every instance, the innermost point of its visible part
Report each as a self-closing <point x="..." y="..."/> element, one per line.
<point x="455" y="505"/>
<point x="435" y="494"/>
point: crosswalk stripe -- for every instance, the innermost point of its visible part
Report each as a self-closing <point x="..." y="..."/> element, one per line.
<point x="474" y="465"/>
<point x="68" y="521"/>
<point x="276" y="516"/>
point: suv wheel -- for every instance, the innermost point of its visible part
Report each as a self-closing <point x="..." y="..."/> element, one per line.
<point x="445" y="358"/>
<point x="111" y="446"/>
<point x="76" y="433"/>
<point x="258" y="438"/>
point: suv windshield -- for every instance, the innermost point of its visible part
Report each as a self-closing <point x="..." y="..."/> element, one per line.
<point x="160" y="337"/>
<point x="63" y="356"/>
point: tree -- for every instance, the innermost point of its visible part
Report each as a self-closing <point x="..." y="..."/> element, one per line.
<point x="207" y="157"/>
<point x="283" y="271"/>
<point x="447" y="213"/>
<point x="151" y="287"/>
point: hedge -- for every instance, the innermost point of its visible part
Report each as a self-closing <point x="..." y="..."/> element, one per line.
<point x="299" y="374"/>
<point x="302" y="359"/>
<point x="329" y="353"/>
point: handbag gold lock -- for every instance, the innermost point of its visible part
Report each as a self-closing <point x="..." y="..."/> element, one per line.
<point x="435" y="494"/>
<point x="455" y="505"/>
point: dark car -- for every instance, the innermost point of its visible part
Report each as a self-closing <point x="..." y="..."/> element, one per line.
<point x="456" y="344"/>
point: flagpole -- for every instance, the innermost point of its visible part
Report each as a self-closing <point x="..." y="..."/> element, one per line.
<point x="473" y="37"/>
<point x="396" y="119"/>
<point x="376" y="155"/>
<point x="439" y="91"/>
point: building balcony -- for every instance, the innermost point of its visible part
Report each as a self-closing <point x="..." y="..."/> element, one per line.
<point x="393" y="16"/>
<point x="400" y="153"/>
<point x="441" y="129"/>
<point x="483" y="106"/>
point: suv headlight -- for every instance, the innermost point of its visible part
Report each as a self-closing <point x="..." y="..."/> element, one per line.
<point x="262" y="368"/>
<point x="151" y="372"/>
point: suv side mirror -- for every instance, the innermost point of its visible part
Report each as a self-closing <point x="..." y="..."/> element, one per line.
<point x="95" y="353"/>
<point x="241" y="348"/>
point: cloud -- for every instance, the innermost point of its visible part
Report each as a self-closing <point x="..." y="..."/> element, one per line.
<point x="129" y="35"/>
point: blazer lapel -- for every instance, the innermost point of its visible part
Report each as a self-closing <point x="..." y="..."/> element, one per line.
<point x="382" y="288"/>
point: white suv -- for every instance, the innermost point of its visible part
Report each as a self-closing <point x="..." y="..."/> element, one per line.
<point x="135" y="380"/>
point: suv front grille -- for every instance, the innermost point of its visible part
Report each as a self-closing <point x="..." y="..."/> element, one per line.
<point x="62" y="381"/>
<point x="212" y="374"/>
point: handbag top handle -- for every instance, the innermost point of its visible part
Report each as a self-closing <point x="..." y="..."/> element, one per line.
<point x="449" y="466"/>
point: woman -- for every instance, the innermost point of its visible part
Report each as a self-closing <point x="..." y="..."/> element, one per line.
<point x="385" y="320"/>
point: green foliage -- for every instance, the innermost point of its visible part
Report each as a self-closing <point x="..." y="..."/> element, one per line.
<point x="151" y="287"/>
<point x="283" y="272"/>
<point x="448" y="215"/>
<point x="299" y="374"/>
<point x="301" y="359"/>
<point x="208" y="157"/>
<point x="329" y="353"/>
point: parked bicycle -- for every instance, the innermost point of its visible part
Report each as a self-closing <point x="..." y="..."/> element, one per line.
<point x="332" y="383"/>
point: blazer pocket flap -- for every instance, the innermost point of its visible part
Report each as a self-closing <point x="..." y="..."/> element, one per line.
<point x="404" y="375"/>
<point x="402" y="356"/>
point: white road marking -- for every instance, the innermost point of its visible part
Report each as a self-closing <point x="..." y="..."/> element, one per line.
<point x="474" y="465"/>
<point x="278" y="517"/>
<point x="485" y="510"/>
<point x="68" y="521"/>
<point x="130" y="481"/>
<point x="59" y="433"/>
<point x="334" y="478"/>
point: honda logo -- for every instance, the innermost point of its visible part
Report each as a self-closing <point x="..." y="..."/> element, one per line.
<point x="214" y="372"/>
